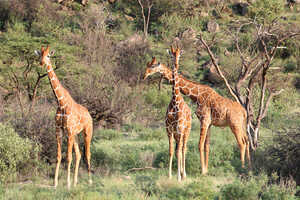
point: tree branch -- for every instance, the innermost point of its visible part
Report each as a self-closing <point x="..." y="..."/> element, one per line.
<point x="140" y="169"/>
<point x="218" y="69"/>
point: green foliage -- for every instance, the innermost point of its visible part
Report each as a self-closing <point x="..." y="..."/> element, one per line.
<point x="152" y="134"/>
<point x="196" y="190"/>
<point x="291" y="66"/>
<point x="16" y="153"/>
<point x="147" y="184"/>
<point x="266" y="10"/>
<point x="158" y="99"/>
<point x="108" y="134"/>
<point x="101" y="56"/>
<point x="284" y="155"/>
<point x="257" y="188"/>
<point x="122" y="156"/>
<point x="248" y="190"/>
<point x="173" y="25"/>
<point x="277" y="192"/>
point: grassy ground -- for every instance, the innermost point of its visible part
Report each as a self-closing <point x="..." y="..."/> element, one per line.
<point x="115" y="158"/>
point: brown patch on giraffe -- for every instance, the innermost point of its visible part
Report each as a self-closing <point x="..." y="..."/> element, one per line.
<point x="194" y="91"/>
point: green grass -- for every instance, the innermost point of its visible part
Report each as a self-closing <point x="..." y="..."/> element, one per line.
<point x="113" y="160"/>
<point x="87" y="43"/>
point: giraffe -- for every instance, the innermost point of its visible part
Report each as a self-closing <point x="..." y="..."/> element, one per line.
<point x="212" y="109"/>
<point x="178" y="122"/>
<point x="71" y="118"/>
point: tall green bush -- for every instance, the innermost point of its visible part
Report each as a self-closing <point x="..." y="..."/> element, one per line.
<point x="266" y="10"/>
<point x="15" y="153"/>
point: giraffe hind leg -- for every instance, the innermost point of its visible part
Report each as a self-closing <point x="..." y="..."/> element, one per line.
<point x="206" y="147"/>
<point x="204" y="128"/>
<point x="78" y="157"/>
<point x="88" y="133"/>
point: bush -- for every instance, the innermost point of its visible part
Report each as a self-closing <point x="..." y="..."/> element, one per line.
<point x="266" y="10"/>
<point x="258" y="187"/>
<point x="195" y="190"/>
<point x="15" y="153"/>
<point x="108" y="134"/>
<point x="290" y="67"/>
<point x="247" y="190"/>
<point x="285" y="154"/>
<point x="277" y="192"/>
<point x="152" y="134"/>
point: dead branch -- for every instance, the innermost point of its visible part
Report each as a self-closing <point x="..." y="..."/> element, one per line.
<point x="218" y="69"/>
<point x="141" y="169"/>
<point x="146" y="21"/>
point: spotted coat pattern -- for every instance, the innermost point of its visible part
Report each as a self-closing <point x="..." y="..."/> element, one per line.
<point x="71" y="118"/>
<point x="212" y="109"/>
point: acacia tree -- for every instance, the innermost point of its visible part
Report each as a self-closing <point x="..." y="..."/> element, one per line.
<point x="254" y="69"/>
<point x="146" y="19"/>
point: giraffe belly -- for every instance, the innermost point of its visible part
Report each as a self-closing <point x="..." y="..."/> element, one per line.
<point x="72" y="124"/>
<point x="220" y="123"/>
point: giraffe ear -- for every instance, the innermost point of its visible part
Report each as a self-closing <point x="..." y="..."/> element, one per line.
<point x="37" y="52"/>
<point x="52" y="52"/>
<point x="169" y="52"/>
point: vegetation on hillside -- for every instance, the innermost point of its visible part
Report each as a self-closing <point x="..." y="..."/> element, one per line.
<point x="101" y="51"/>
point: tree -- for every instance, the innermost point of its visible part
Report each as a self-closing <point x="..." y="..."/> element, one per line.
<point x="255" y="61"/>
<point x="146" y="19"/>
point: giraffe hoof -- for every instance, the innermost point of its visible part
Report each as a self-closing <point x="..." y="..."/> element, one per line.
<point x="90" y="182"/>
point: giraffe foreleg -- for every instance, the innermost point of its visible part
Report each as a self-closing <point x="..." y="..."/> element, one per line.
<point x="171" y="152"/>
<point x="248" y="151"/>
<point x="59" y="141"/>
<point x="238" y="133"/>
<point x="185" y="139"/>
<point x="179" y="158"/>
<point x="69" y="157"/>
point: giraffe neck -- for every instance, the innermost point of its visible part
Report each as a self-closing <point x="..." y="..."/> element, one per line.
<point x="58" y="89"/>
<point x="175" y="85"/>
<point x="184" y="84"/>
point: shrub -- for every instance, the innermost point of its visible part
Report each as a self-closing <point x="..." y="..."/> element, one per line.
<point x="290" y="67"/>
<point x="152" y="134"/>
<point x="241" y="190"/>
<point x="266" y="9"/>
<point x="277" y="192"/>
<point x="285" y="154"/>
<point x="108" y="134"/>
<point x="195" y="190"/>
<point x="15" y="153"/>
<point x="258" y="187"/>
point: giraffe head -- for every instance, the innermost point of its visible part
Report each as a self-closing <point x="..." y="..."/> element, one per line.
<point x="44" y="55"/>
<point x="153" y="67"/>
<point x="175" y="53"/>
